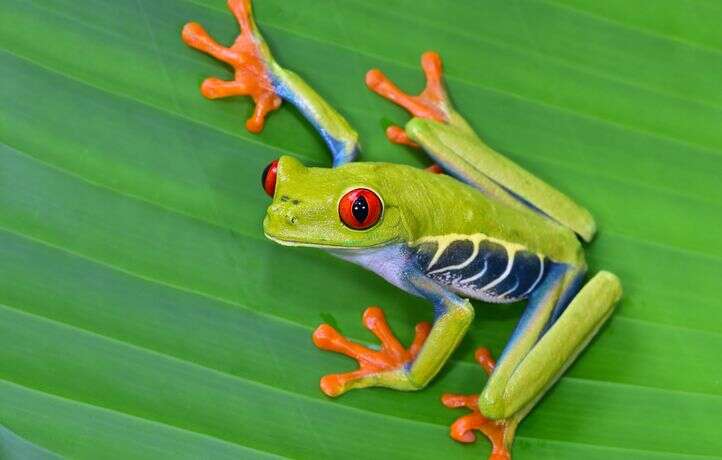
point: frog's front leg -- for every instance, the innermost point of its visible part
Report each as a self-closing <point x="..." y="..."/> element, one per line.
<point x="393" y="366"/>
<point x="383" y="367"/>
<point x="258" y="75"/>
<point x="559" y="321"/>
<point x="246" y="56"/>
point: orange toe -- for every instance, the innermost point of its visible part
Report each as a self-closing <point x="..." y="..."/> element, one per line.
<point x="391" y="356"/>
<point x="462" y="430"/>
<point x="252" y="76"/>
<point x="431" y="103"/>
<point x="435" y="169"/>
<point x="397" y="135"/>
<point x="483" y="357"/>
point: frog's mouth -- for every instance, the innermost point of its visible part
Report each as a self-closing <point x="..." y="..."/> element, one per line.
<point x="288" y="237"/>
<point x="286" y="242"/>
<point x="323" y="245"/>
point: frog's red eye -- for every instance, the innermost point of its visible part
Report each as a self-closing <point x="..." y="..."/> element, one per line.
<point x="268" y="178"/>
<point x="360" y="209"/>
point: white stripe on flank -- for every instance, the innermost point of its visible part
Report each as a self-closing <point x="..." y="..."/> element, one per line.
<point x="516" y="285"/>
<point x="471" y="258"/>
<point x="439" y="250"/>
<point x="477" y="276"/>
<point x="503" y="276"/>
<point x="538" y="278"/>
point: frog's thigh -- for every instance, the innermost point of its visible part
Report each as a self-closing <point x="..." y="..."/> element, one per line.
<point x="556" y="350"/>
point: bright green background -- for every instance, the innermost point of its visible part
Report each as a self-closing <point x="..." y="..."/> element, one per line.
<point x="143" y="314"/>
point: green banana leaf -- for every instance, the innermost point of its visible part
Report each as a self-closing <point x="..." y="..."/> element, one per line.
<point x="143" y="314"/>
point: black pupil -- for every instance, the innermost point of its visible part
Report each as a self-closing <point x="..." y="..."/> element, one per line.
<point x="360" y="209"/>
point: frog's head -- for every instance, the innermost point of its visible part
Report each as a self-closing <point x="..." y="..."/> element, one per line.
<point x="347" y="207"/>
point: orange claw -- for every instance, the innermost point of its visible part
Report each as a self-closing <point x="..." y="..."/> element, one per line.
<point x="435" y="169"/>
<point x="251" y="72"/>
<point x="483" y="357"/>
<point x="462" y="429"/>
<point x="431" y="103"/>
<point x="397" y="135"/>
<point x="392" y="355"/>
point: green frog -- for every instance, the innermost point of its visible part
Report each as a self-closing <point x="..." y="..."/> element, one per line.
<point x="474" y="226"/>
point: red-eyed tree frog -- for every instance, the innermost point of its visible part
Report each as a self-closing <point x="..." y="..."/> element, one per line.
<point x="487" y="230"/>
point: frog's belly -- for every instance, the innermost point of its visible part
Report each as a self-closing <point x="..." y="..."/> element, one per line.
<point x="482" y="268"/>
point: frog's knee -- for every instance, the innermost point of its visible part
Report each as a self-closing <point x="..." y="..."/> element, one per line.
<point x="492" y="406"/>
<point x="610" y="282"/>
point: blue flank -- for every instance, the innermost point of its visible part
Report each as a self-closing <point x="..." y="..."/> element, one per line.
<point x="525" y="270"/>
<point x="488" y="266"/>
<point x="457" y="252"/>
<point x="341" y="151"/>
<point x="492" y="259"/>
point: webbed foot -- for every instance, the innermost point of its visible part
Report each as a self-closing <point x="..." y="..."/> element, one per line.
<point x="496" y="431"/>
<point x="431" y="103"/>
<point x="386" y="367"/>
<point x="249" y="59"/>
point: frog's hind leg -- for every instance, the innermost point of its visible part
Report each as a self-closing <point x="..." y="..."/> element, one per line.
<point x="449" y="140"/>
<point x="431" y="103"/>
<point x="384" y="366"/>
<point x="534" y="359"/>
<point x="432" y="115"/>
<point x="499" y="433"/>
<point x="558" y="323"/>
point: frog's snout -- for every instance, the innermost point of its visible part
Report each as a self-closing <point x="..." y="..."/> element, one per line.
<point x="282" y="213"/>
<point x="281" y="221"/>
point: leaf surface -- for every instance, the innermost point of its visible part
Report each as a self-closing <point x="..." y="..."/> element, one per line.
<point x="143" y="314"/>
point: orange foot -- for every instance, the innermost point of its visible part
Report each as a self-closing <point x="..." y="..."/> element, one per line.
<point x="431" y="103"/>
<point x="461" y="429"/>
<point x="252" y="76"/>
<point x="373" y="364"/>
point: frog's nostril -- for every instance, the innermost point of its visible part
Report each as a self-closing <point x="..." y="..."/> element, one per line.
<point x="282" y="212"/>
